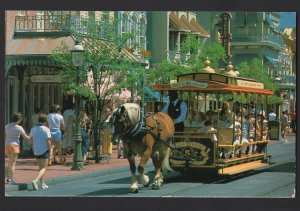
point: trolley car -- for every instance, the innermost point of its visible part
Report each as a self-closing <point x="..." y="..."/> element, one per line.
<point x="205" y="90"/>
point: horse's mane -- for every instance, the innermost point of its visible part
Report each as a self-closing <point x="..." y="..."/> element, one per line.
<point x="133" y="112"/>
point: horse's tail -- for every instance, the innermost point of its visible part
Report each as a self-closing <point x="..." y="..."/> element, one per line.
<point x="166" y="164"/>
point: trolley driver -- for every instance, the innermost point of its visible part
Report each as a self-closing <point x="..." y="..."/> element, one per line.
<point x="177" y="109"/>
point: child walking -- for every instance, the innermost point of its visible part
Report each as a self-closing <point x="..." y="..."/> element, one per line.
<point x="41" y="137"/>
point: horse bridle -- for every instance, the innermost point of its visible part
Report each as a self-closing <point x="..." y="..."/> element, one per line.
<point x="117" y="115"/>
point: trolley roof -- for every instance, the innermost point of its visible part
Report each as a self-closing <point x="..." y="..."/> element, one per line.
<point x="214" y="82"/>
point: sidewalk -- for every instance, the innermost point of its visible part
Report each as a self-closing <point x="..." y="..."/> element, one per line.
<point x="27" y="169"/>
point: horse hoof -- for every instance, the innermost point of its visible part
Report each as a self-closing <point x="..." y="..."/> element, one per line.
<point x="155" y="187"/>
<point x="134" y="190"/>
<point x="147" y="184"/>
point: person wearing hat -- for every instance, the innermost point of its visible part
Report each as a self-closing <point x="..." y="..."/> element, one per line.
<point x="177" y="109"/>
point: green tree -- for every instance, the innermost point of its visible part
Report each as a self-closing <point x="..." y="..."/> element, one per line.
<point x="257" y="71"/>
<point x="114" y="68"/>
<point x="197" y="53"/>
<point x="108" y="67"/>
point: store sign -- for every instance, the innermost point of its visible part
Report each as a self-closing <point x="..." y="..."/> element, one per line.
<point x="45" y="79"/>
<point x="189" y="83"/>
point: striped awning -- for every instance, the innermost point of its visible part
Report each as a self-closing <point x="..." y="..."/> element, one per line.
<point x="199" y="28"/>
<point x="182" y="24"/>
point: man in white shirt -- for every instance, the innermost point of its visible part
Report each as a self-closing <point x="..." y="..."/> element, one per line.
<point x="56" y="123"/>
<point x="177" y="109"/>
<point x="272" y="116"/>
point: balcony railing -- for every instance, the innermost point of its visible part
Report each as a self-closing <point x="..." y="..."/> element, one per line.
<point x="45" y="23"/>
<point x="57" y="23"/>
<point x="269" y="38"/>
<point x="177" y="56"/>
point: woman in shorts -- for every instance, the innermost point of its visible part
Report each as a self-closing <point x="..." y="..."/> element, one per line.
<point x="13" y="131"/>
<point x="41" y="137"/>
<point x="56" y="124"/>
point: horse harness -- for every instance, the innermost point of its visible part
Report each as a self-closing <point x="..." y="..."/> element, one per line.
<point x="141" y="129"/>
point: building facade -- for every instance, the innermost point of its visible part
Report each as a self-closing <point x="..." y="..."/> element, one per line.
<point x="32" y="78"/>
<point x="167" y="30"/>
<point x="257" y="35"/>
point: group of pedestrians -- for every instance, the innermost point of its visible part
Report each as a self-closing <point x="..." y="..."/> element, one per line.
<point x="45" y="134"/>
<point x="53" y="134"/>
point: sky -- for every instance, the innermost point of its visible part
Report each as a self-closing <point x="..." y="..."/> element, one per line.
<point x="287" y="20"/>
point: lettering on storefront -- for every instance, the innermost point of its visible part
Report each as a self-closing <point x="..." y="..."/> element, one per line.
<point x="45" y="79"/>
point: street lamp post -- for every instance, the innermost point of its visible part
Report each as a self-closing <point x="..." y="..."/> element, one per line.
<point x="77" y="61"/>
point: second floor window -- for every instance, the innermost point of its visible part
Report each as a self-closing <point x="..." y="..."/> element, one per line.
<point x="142" y="40"/>
<point x="124" y="24"/>
<point x="134" y="40"/>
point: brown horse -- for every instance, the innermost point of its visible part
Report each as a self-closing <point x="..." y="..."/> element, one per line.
<point x="146" y="139"/>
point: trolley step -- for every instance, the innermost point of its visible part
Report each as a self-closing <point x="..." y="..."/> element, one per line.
<point x="242" y="167"/>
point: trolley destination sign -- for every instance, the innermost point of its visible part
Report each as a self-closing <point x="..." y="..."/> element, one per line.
<point x="189" y="83"/>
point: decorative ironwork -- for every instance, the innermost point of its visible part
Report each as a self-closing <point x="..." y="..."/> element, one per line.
<point x="58" y="23"/>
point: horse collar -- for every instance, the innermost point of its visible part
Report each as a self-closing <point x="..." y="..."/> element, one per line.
<point x="138" y="130"/>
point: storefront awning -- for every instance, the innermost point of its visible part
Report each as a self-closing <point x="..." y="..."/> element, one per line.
<point x="184" y="25"/>
<point x="176" y="24"/>
<point x="271" y="61"/>
<point x="36" y="51"/>
<point x="101" y="45"/>
<point x="194" y="26"/>
<point x="33" y="51"/>
<point x="199" y="28"/>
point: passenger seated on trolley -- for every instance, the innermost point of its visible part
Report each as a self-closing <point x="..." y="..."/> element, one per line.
<point x="261" y="133"/>
<point x="247" y="135"/>
<point x="199" y="120"/>
<point x="189" y="119"/>
<point x="252" y="130"/>
<point x="213" y="117"/>
<point x="226" y="109"/>
<point x="208" y="128"/>
<point x="237" y="135"/>
<point x="223" y="119"/>
<point x="261" y="120"/>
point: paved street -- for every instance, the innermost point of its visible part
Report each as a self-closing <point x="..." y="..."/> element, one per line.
<point x="113" y="180"/>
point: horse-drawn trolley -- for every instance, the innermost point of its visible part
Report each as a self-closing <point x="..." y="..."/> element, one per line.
<point x="237" y="138"/>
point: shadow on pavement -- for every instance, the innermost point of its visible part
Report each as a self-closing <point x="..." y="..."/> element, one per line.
<point x="127" y="180"/>
<point x="108" y="192"/>
<point x="289" y="167"/>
